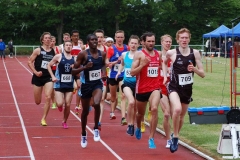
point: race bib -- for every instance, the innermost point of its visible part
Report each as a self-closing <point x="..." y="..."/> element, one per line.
<point x="127" y="72"/>
<point x="44" y="64"/>
<point x="116" y="66"/>
<point x="95" y="75"/>
<point x="66" y="78"/>
<point x="152" y="71"/>
<point x="185" y="79"/>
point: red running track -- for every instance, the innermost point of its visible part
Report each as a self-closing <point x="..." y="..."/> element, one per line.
<point x="22" y="136"/>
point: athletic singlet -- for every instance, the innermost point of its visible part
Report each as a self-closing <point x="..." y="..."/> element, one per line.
<point x="128" y="79"/>
<point x="161" y="78"/>
<point x="63" y="73"/>
<point x="115" y="57"/>
<point x="93" y="75"/>
<point x="42" y="61"/>
<point x="180" y="76"/>
<point x="148" y="78"/>
<point x="54" y="67"/>
<point x="75" y="50"/>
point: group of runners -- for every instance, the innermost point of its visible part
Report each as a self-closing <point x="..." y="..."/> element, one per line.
<point x="98" y="71"/>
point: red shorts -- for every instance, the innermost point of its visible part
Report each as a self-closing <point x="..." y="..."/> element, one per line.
<point x="164" y="89"/>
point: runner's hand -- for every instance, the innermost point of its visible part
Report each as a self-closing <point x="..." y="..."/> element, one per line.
<point x="38" y="74"/>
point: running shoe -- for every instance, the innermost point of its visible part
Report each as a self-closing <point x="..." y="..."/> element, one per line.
<point x="60" y="109"/>
<point x="43" y="122"/>
<point x="99" y="126"/>
<point x="130" y="130"/>
<point x="123" y="121"/>
<point x="149" y="116"/>
<point x="84" y="141"/>
<point x="138" y="133"/>
<point x="112" y="116"/>
<point x="169" y="142"/>
<point x="74" y="91"/>
<point x="96" y="136"/>
<point x="64" y="124"/>
<point x="76" y="110"/>
<point x="174" y="145"/>
<point x="90" y="108"/>
<point x="54" y="106"/>
<point x="143" y="127"/>
<point x="151" y="143"/>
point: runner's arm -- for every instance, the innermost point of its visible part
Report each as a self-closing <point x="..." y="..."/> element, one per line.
<point x="31" y="60"/>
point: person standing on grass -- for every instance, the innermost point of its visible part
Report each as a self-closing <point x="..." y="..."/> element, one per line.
<point x="113" y="62"/>
<point x="185" y="62"/>
<point x="92" y="63"/>
<point x="146" y="67"/>
<point x="2" y="48"/>
<point x="41" y="78"/>
<point x="166" y="42"/>
<point x="63" y="80"/>
<point x="129" y="82"/>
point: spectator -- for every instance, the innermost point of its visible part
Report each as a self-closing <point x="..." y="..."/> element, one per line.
<point x="229" y="46"/>
<point x="223" y="48"/>
<point x="10" y="47"/>
<point x="207" y="45"/>
<point x="2" y="48"/>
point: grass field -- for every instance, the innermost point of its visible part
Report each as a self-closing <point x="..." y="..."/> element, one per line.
<point x="213" y="90"/>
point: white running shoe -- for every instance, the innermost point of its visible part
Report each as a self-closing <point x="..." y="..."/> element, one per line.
<point x="112" y="116"/>
<point x="169" y="142"/>
<point x="84" y="141"/>
<point x="96" y="136"/>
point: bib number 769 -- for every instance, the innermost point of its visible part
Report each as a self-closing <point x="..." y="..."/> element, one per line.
<point x="185" y="79"/>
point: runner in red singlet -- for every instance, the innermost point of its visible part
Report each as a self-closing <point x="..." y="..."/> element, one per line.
<point x="57" y="50"/>
<point x="166" y="42"/>
<point x="146" y="67"/>
<point x="100" y="35"/>
<point x="75" y="51"/>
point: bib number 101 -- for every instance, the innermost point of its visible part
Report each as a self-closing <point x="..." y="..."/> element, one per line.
<point x="152" y="72"/>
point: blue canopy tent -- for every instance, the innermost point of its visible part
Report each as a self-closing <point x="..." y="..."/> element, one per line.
<point x="215" y="33"/>
<point x="235" y="31"/>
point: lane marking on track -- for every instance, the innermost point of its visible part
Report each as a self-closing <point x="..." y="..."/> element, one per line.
<point x="20" y="116"/>
<point x="13" y="157"/>
<point x="103" y="143"/>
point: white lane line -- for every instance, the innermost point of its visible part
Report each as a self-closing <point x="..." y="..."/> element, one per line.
<point x="13" y="157"/>
<point x="104" y="144"/>
<point x="20" y="117"/>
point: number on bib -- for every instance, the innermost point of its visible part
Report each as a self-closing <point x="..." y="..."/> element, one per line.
<point x="116" y="66"/>
<point x="152" y="71"/>
<point x="44" y="64"/>
<point x="66" y="78"/>
<point x="95" y="75"/>
<point x="127" y="72"/>
<point x="185" y="79"/>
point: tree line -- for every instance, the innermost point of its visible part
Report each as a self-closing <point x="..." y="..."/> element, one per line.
<point x="25" y="20"/>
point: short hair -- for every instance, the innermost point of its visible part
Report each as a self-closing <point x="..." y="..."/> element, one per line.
<point x="98" y="31"/>
<point x="80" y="39"/>
<point x="182" y="30"/>
<point x="119" y="31"/>
<point x="134" y="37"/>
<point x="42" y="36"/>
<point x="66" y="42"/>
<point x="53" y="37"/>
<point x="74" y="31"/>
<point x="66" y="34"/>
<point x="147" y="34"/>
<point x="89" y="36"/>
<point x="165" y="36"/>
